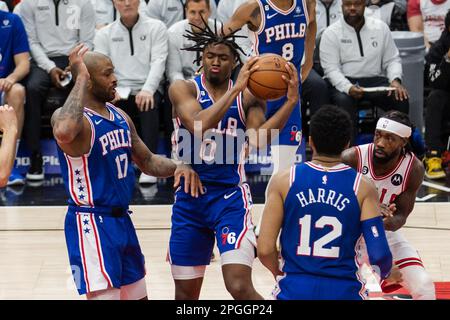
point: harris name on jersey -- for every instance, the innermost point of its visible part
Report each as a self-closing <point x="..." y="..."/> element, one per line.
<point x="324" y="196"/>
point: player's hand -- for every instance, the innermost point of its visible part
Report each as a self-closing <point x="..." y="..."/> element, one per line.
<point x="388" y="210"/>
<point x="400" y="91"/>
<point x="8" y="119"/>
<point x="356" y="92"/>
<point x="57" y="75"/>
<point x="144" y="101"/>
<point x="77" y="65"/>
<point x="6" y="84"/>
<point x="192" y="183"/>
<point x="394" y="277"/>
<point x="247" y="69"/>
<point x="292" y="82"/>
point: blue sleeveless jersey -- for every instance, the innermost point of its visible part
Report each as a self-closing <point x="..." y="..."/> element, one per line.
<point x="282" y="32"/>
<point x="219" y="157"/>
<point x="321" y="225"/>
<point x="104" y="177"/>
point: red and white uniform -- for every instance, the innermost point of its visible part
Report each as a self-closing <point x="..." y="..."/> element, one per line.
<point x="390" y="186"/>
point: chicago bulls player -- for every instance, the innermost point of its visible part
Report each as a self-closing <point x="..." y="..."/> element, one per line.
<point x="397" y="174"/>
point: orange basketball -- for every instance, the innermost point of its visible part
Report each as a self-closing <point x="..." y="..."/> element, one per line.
<point x="266" y="82"/>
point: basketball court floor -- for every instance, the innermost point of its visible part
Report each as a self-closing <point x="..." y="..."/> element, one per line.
<point x="34" y="262"/>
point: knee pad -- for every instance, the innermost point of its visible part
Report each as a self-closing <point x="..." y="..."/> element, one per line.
<point x="134" y="291"/>
<point x="244" y="255"/>
<point x="187" y="272"/>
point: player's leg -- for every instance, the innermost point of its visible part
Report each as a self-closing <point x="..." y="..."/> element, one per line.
<point x="415" y="278"/>
<point x="16" y="99"/>
<point x="190" y="246"/>
<point x="133" y="273"/>
<point x="94" y="258"/>
<point x="236" y="241"/>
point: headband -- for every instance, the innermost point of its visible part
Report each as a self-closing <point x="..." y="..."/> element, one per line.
<point x="394" y="127"/>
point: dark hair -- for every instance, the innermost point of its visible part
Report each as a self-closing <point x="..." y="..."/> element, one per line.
<point x="330" y="130"/>
<point x="206" y="36"/>
<point x="197" y="1"/>
<point x="402" y="118"/>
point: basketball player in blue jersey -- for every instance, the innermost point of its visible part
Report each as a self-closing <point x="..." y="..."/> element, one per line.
<point x="287" y="28"/>
<point x="96" y="144"/>
<point x="213" y="117"/>
<point x="322" y="207"/>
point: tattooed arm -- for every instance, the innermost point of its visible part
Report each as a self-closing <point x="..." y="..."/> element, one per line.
<point x="67" y="121"/>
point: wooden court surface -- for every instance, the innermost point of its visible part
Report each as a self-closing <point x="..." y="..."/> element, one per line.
<point x="34" y="262"/>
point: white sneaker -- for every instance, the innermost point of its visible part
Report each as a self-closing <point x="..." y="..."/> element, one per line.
<point x="143" y="179"/>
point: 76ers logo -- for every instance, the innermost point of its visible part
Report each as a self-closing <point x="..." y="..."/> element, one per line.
<point x="227" y="236"/>
<point x="296" y="135"/>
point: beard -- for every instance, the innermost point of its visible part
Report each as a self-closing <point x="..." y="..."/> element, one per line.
<point x="386" y="158"/>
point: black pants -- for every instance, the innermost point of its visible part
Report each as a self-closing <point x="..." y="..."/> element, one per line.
<point x="437" y="111"/>
<point x="148" y="121"/>
<point x="37" y="84"/>
<point x="315" y="91"/>
<point x="381" y="100"/>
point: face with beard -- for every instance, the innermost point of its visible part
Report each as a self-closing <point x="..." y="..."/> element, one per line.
<point x="103" y="81"/>
<point x="387" y="146"/>
<point x="218" y="63"/>
<point x="353" y="11"/>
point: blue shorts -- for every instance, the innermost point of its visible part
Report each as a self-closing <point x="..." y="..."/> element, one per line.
<point x="291" y="134"/>
<point x="223" y="212"/>
<point x="309" y="287"/>
<point x="103" y="251"/>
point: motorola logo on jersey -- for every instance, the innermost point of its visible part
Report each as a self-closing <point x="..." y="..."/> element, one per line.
<point x="365" y="170"/>
<point x="397" y="179"/>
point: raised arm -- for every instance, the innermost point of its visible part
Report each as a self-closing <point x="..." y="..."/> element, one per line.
<point x="255" y="111"/>
<point x="248" y="14"/>
<point x="183" y="97"/>
<point x="67" y="121"/>
<point x="404" y="203"/>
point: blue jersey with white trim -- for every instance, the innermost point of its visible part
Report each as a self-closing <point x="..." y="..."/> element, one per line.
<point x="321" y="224"/>
<point x="282" y="32"/>
<point x="219" y="157"/>
<point x="104" y="177"/>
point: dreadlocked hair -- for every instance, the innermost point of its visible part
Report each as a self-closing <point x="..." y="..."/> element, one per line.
<point x="206" y="36"/>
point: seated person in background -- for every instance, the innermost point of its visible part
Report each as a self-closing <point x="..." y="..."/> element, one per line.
<point x="137" y="46"/>
<point x="14" y="66"/>
<point x="105" y="13"/>
<point x="438" y="103"/>
<point x="171" y="11"/>
<point x="392" y="12"/>
<point x="53" y="30"/>
<point x="358" y="52"/>
<point x="327" y="13"/>
<point x="8" y="128"/>
<point x="182" y="64"/>
<point x="427" y="17"/>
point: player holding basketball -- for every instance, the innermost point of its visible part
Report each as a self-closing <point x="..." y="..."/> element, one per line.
<point x="213" y="117"/>
<point x="322" y="207"/>
<point x="287" y="28"/>
<point x="390" y="163"/>
<point x="96" y="145"/>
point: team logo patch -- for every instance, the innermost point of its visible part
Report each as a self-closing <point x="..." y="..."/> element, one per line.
<point x="324" y="179"/>
<point x="5" y="22"/>
<point x="66" y="2"/>
<point x="397" y="179"/>
<point x="143" y="37"/>
<point x="375" y="232"/>
<point x="365" y="170"/>
<point x="375" y="44"/>
<point x="227" y="236"/>
<point x="298" y="10"/>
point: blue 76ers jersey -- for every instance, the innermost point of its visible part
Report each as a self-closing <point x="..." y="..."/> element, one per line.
<point x="282" y="32"/>
<point x="321" y="225"/>
<point x="104" y="177"/>
<point x="218" y="158"/>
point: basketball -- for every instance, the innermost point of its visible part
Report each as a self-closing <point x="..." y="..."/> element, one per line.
<point x="266" y="83"/>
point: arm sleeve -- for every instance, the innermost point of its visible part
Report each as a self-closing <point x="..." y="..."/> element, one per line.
<point x="380" y="255"/>
<point x="87" y="27"/>
<point x="391" y="57"/>
<point x="331" y="64"/>
<point x="413" y="8"/>
<point x="158" y="58"/>
<point x="37" y="51"/>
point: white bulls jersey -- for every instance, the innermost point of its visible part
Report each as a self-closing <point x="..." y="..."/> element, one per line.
<point x="390" y="185"/>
